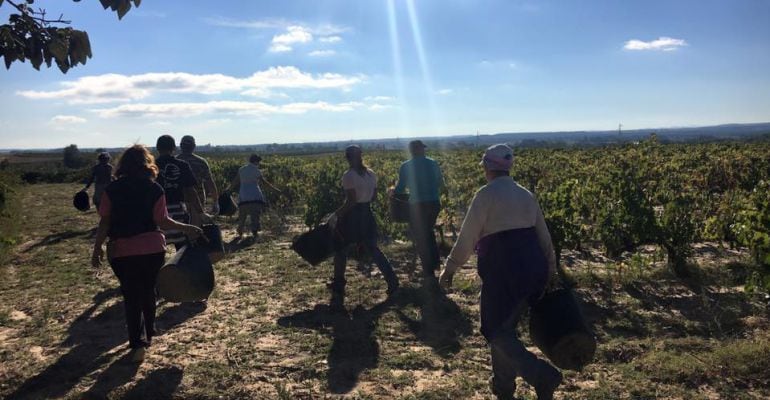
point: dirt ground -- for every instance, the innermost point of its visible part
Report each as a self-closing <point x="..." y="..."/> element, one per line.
<point x="271" y="330"/>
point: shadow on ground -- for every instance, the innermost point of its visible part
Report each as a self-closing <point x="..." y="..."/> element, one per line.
<point x="354" y="346"/>
<point x="91" y="339"/>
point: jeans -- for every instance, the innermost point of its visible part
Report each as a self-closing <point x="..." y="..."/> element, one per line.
<point x="422" y="219"/>
<point x="252" y="210"/>
<point x="341" y="258"/>
<point x="137" y="276"/>
<point x="511" y="359"/>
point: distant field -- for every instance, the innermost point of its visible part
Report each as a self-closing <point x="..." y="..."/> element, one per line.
<point x="31" y="158"/>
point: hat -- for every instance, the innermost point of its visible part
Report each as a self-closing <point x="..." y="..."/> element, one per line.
<point x="498" y="157"/>
<point x="417" y="144"/>
<point x="103" y="156"/>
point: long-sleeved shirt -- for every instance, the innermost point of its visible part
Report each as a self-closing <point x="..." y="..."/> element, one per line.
<point x="422" y="177"/>
<point x="499" y="206"/>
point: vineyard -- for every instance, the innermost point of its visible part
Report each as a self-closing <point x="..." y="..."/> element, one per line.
<point x="668" y="245"/>
<point x="615" y="199"/>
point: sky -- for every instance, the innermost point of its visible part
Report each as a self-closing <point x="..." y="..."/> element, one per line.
<point x="252" y="72"/>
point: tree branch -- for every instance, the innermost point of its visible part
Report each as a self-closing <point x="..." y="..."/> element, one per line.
<point x="29" y="13"/>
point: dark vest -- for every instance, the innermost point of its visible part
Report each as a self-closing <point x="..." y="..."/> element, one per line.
<point x="133" y="201"/>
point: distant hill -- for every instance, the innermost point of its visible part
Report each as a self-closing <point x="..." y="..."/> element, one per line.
<point x="527" y="139"/>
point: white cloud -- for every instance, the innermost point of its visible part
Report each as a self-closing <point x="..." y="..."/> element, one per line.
<point x="322" y="53"/>
<point x="444" y="92"/>
<point x="379" y="98"/>
<point x="330" y="39"/>
<point x="662" y="43"/>
<point x="325" y="29"/>
<point x="294" y="35"/>
<point x="67" y="119"/>
<point x="220" y="107"/>
<point x="122" y="88"/>
<point x="279" y="48"/>
<point x="378" y="107"/>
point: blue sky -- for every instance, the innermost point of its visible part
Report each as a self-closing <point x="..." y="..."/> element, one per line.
<point x="243" y="72"/>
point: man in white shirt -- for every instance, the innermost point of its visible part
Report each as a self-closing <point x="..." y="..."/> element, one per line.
<point x="505" y="225"/>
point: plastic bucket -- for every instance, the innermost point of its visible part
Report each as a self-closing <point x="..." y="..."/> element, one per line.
<point x="81" y="201"/>
<point x="187" y="276"/>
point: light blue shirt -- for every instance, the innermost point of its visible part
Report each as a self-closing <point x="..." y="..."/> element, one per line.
<point x="421" y="176"/>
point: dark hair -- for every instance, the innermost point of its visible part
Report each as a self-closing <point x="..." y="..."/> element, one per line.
<point x="361" y="169"/>
<point x="165" y="143"/>
<point x="255" y="158"/>
<point x="137" y="162"/>
<point x="187" y="143"/>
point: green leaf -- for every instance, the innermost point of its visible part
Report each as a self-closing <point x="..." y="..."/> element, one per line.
<point x="137" y="2"/>
<point x="106" y="3"/>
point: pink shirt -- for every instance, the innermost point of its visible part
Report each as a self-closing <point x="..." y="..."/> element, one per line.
<point x="143" y="243"/>
<point x="364" y="185"/>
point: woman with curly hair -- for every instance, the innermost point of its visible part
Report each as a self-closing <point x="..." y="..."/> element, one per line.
<point x="133" y="212"/>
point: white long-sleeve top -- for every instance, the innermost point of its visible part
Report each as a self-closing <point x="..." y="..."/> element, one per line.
<point x="498" y="206"/>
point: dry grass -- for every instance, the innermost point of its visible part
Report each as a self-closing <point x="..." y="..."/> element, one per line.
<point x="271" y="330"/>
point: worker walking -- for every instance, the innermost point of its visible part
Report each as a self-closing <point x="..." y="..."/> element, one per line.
<point x="421" y="177"/>
<point x="205" y="188"/>
<point x="506" y="227"/>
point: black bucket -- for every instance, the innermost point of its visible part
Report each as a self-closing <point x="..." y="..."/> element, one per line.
<point x="81" y="201"/>
<point x="214" y="244"/>
<point x="317" y="245"/>
<point x="227" y="206"/>
<point x="399" y="208"/>
<point x="559" y="330"/>
<point x="188" y="276"/>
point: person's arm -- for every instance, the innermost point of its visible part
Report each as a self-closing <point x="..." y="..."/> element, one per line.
<point x="470" y="233"/>
<point x="90" y="179"/>
<point x="164" y="221"/>
<point x="235" y="183"/>
<point x="544" y="238"/>
<point x="208" y="182"/>
<point x="440" y="179"/>
<point x="188" y="189"/>
<point x="264" y="181"/>
<point x="350" y="201"/>
<point x="97" y="255"/>
<point x="401" y="184"/>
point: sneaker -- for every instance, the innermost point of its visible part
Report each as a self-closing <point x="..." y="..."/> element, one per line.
<point x="548" y="380"/>
<point x="137" y="354"/>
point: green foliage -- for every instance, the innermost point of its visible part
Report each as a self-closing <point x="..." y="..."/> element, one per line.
<point x="677" y="232"/>
<point x="73" y="158"/>
<point x="30" y="35"/>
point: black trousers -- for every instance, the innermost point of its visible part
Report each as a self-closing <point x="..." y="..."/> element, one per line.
<point x="422" y="220"/>
<point x="137" y="276"/>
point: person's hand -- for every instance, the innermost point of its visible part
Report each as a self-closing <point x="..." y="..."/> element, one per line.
<point x="445" y="279"/>
<point x="332" y="220"/>
<point x="391" y="191"/>
<point x="97" y="256"/>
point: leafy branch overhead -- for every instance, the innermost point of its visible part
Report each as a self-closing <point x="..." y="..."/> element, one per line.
<point x="31" y="35"/>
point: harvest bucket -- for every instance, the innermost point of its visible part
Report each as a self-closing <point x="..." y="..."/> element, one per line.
<point x="187" y="277"/>
<point x="559" y="330"/>
<point x="227" y="206"/>
<point x="317" y="244"/>
<point x="214" y="244"/>
<point x="399" y="207"/>
<point x="81" y="201"/>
